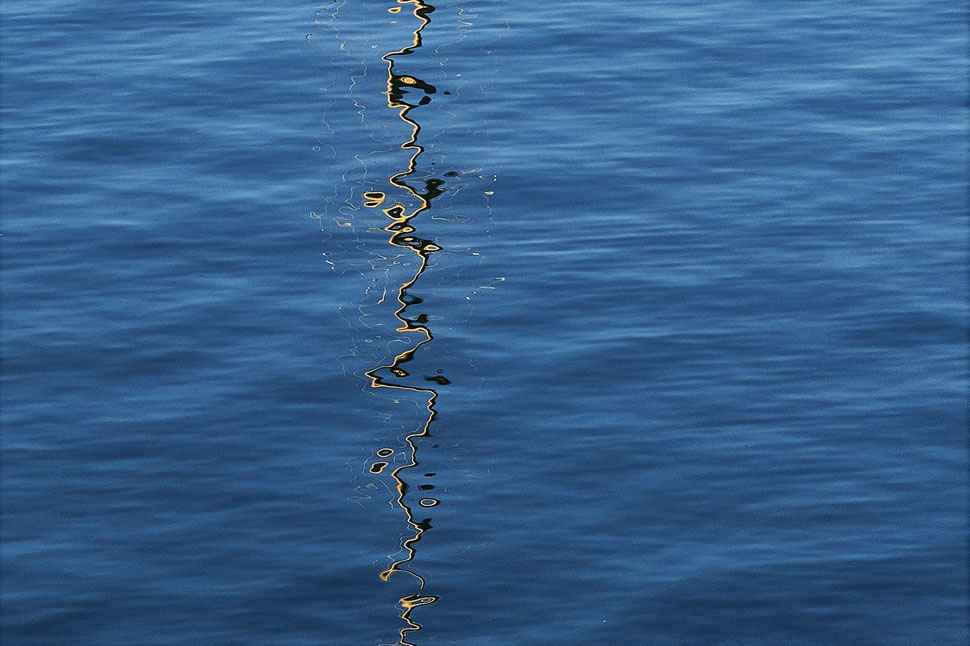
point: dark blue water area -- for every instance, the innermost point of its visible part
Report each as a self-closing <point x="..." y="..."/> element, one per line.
<point x="677" y="305"/>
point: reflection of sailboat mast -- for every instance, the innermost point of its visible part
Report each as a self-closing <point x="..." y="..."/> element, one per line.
<point x="401" y="235"/>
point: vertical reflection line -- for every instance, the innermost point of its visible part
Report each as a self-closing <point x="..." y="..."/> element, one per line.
<point x="399" y="89"/>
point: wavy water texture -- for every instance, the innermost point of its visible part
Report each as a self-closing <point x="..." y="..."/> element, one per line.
<point x="720" y="398"/>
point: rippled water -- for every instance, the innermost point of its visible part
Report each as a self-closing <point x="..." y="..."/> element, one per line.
<point x="484" y="323"/>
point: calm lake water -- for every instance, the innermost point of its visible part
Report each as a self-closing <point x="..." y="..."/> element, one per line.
<point x="486" y="323"/>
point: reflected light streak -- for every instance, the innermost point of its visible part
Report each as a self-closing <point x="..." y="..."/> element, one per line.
<point x="400" y="88"/>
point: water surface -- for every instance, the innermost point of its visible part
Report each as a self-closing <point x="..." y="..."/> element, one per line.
<point x="367" y="323"/>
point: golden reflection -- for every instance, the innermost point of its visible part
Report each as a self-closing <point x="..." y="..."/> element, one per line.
<point x="373" y="198"/>
<point x="405" y="93"/>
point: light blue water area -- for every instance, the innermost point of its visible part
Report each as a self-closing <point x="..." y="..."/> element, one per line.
<point x="484" y="323"/>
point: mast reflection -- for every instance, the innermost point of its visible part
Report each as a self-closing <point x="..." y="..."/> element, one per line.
<point x="406" y="93"/>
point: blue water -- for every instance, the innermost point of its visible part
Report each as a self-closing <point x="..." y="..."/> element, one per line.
<point x="676" y="296"/>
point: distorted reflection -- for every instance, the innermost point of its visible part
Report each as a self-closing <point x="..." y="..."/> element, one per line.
<point x="405" y="93"/>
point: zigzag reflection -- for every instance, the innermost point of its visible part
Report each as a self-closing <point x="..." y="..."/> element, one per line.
<point x="400" y="90"/>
